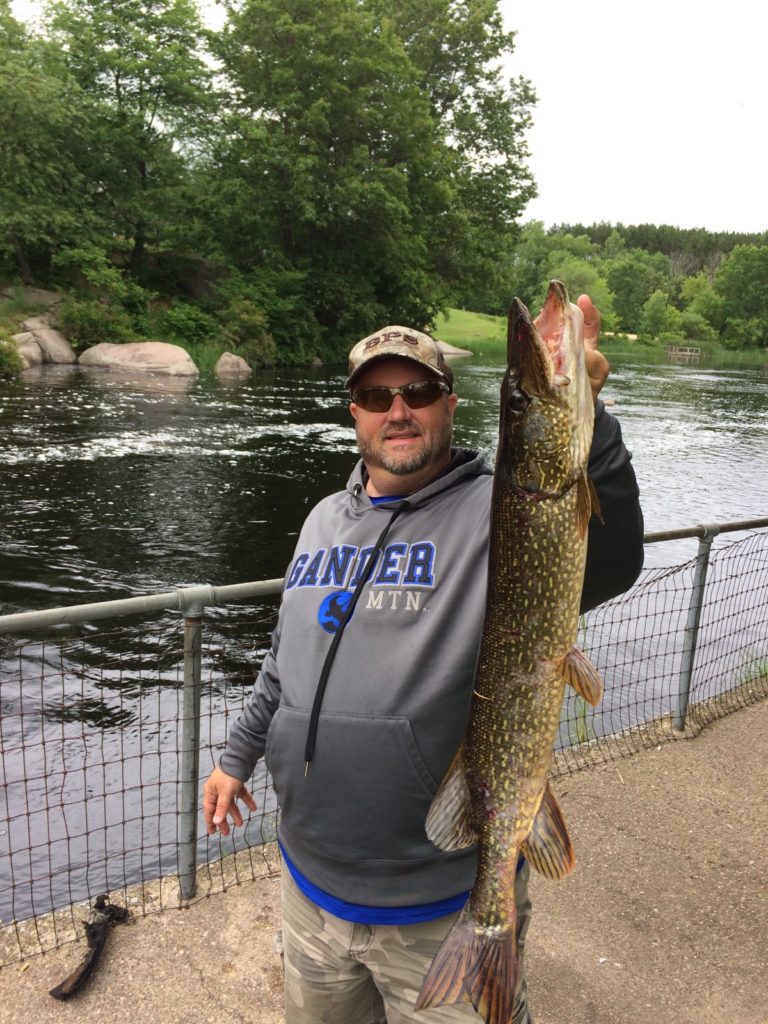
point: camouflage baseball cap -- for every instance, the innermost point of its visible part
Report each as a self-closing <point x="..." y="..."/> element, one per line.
<point x="403" y="342"/>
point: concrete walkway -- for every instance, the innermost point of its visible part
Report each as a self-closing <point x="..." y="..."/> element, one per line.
<point x="664" y="919"/>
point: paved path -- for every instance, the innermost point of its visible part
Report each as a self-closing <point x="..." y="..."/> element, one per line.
<point x="665" y="918"/>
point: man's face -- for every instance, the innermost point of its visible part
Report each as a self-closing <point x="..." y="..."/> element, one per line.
<point x="410" y="444"/>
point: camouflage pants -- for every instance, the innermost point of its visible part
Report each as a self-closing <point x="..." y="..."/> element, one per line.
<point x="338" y="972"/>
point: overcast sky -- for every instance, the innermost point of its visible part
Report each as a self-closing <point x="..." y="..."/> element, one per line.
<point x="651" y="112"/>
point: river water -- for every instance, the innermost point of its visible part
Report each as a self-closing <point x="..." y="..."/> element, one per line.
<point x="113" y="486"/>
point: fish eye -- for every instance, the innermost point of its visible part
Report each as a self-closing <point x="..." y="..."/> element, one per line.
<point x="518" y="401"/>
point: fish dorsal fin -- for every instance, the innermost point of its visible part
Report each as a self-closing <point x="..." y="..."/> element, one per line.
<point x="449" y="823"/>
<point x="548" y="845"/>
<point x="578" y="670"/>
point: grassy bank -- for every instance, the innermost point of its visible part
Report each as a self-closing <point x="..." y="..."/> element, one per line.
<point x="481" y="333"/>
<point x="486" y="336"/>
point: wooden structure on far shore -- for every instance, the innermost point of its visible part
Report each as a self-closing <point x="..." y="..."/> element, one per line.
<point x="683" y="353"/>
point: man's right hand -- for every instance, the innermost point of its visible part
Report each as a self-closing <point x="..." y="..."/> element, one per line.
<point x="219" y="795"/>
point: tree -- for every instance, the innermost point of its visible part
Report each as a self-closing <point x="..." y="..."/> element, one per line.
<point x="742" y="283"/>
<point x="457" y="48"/>
<point x="337" y="172"/>
<point x="45" y="200"/>
<point x="659" y="317"/>
<point x="633" y="278"/>
<point x="700" y="299"/>
<point x="570" y="257"/>
<point x="138" y="64"/>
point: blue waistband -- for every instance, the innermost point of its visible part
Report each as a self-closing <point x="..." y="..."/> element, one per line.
<point x="361" y="914"/>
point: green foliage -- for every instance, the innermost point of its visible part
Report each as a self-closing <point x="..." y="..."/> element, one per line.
<point x="245" y="333"/>
<point x="279" y="297"/>
<point x="185" y="324"/>
<point x="351" y="163"/>
<point x="660" y="319"/>
<point x="88" y="322"/>
<point x="204" y="354"/>
<point x="539" y="256"/>
<point x="145" y="87"/>
<point x="135" y="301"/>
<point x="376" y="152"/>
<point x="700" y="299"/>
<point x="109" y="285"/>
<point x="10" y="360"/>
<point x="689" y="250"/>
<point x="44" y="194"/>
<point x="695" y="327"/>
<point x="633" y="277"/>
<point x="742" y="283"/>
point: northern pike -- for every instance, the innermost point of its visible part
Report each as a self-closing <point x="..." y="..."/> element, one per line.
<point x="496" y="791"/>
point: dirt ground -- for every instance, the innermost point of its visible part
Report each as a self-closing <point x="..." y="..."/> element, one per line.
<point x="664" y="919"/>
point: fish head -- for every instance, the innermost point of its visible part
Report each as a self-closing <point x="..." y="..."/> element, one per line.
<point x="547" y="411"/>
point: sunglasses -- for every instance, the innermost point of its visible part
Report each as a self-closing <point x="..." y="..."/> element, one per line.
<point x="418" y="395"/>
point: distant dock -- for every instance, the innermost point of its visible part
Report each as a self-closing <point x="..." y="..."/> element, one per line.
<point x="683" y="353"/>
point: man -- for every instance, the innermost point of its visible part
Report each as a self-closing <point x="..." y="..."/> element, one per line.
<point x="363" y="699"/>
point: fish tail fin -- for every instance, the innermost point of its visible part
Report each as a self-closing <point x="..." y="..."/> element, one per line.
<point x="476" y="965"/>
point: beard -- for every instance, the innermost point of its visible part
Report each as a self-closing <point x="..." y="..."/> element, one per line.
<point x="431" y="450"/>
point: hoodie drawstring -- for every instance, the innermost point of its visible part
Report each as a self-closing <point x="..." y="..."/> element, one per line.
<point x="322" y="682"/>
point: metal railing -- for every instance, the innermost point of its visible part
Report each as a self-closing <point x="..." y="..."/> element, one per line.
<point x="684" y="645"/>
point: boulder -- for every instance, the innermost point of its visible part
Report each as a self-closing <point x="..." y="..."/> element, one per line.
<point x="51" y="344"/>
<point x="230" y="365"/>
<point x="141" y="356"/>
<point x="28" y="348"/>
<point x="451" y="350"/>
<point x="55" y="347"/>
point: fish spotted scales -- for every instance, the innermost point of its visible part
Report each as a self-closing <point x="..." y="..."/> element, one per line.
<point x="496" y="792"/>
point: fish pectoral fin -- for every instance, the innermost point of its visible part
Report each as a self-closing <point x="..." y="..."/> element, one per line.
<point x="548" y="845"/>
<point x="449" y="823"/>
<point x="584" y="499"/>
<point x="475" y="965"/>
<point x="581" y="674"/>
<point x="596" y="510"/>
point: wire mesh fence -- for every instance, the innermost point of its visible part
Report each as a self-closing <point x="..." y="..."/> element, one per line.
<point x="642" y="641"/>
<point x="93" y="721"/>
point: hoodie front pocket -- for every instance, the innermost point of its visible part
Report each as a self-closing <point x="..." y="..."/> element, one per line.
<point x="366" y="792"/>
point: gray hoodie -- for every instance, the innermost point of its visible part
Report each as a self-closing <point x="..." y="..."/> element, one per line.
<point x="398" y="694"/>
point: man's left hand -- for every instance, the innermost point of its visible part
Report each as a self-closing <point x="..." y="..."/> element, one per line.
<point x="597" y="365"/>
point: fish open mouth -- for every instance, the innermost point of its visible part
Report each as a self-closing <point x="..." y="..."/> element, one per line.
<point x="550" y="323"/>
<point x="529" y="360"/>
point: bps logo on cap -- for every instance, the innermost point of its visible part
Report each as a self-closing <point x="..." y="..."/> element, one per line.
<point x="390" y="337"/>
<point x="403" y="342"/>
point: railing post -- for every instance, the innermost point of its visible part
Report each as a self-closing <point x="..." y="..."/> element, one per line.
<point x="691" y="634"/>
<point x="192" y="601"/>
